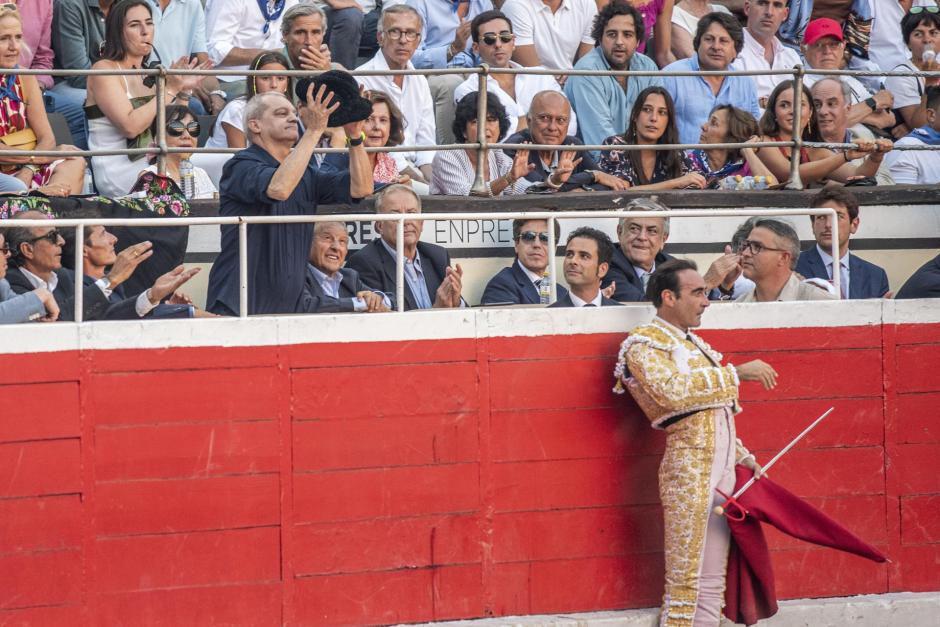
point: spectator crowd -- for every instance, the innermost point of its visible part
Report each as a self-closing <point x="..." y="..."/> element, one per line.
<point x="279" y="123"/>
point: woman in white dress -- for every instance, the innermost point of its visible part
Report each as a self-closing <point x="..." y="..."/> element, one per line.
<point x="121" y="109"/>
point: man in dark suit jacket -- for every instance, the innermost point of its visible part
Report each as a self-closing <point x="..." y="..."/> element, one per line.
<point x="640" y="251"/>
<point x="865" y="280"/>
<point x="587" y="258"/>
<point x="924" y="283"/>
<point x="519" y="283"/>
<point x="427" y="266"/>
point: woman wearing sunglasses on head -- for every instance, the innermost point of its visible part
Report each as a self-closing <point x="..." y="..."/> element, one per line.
<point x="182" y="131"/>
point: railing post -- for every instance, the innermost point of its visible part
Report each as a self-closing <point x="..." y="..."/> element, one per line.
<point x="479" y="183"/>
<point x="795" y="181"/>
<point x="79" y="273"/>
<point x="552" y="244"/>
<point x="161" y="121"/>
<point x="242" y="269"/>
<point x="836" y="257"/>
<point x="400" y="264"/>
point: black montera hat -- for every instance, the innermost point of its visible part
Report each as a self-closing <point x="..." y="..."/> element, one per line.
<point x="353" y="107"/>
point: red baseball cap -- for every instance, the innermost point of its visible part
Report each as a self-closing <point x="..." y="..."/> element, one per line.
<point x="823" y="27"/>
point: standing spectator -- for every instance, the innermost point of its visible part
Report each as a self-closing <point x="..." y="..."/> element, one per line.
<point x="77" y="36"/>
<point x="519" y="283"/>
<point x="455" y="170"/>
<point x="685" y="17"/>
<point x="37" y="304"/>
<point x="399" y="36"/>
<point x="182" y="131"/>
<point x="652" y="122"/>
<point x="553" y="33"/>
<point x="718" y="41"/>
<point x="727" y="125"/>
<point x="604" y="103"/>
<point x="23" y="122"/>
<point x="762" y="49"/>
<point x="121" y="109"/>
<point x="343" y="20"/>
<point x="302" y="30"/>
<point x="494" y="43"/>
<point x="657" y="24"/>
<point x="238" y="31"/>
<point x="887" y="48"/>
<point x="920" y="167"/>
<point x="920" y="28"/>
<point x="587" y="259"/>
<point x="857" y="277"/>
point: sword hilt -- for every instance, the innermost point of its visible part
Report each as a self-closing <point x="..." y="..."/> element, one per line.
<point x="731" y="508"/>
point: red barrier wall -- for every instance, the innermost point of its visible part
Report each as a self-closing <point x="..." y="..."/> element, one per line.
<point x="459" y="478"/>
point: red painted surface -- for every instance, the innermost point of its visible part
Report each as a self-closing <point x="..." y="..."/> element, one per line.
<point x="461" y="478"/>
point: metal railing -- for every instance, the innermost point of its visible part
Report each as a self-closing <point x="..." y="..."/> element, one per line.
<point x="161" y="73"/>
<point x="242" y="222"/>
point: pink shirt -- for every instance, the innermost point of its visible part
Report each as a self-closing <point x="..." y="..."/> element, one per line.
<point x="37" y="37"/>
<point x="650" y="11"/>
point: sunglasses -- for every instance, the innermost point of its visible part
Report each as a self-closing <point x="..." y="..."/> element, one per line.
<point x="919" y="10"/>
<point x="52" y="237"/>
<point x="5" y="251"/>
<point x="504" y="36"/>
<point x="176" y="128"/>
<point x="529" y="236"/>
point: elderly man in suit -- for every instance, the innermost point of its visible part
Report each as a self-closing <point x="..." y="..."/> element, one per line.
<point x="587" y="258"/>
<point x="331" y="288"/>
<point x="859" y="278"/>
<point x="429" y="279"/>
<point x="640" y="251"/>
<point x="519" y="283"/>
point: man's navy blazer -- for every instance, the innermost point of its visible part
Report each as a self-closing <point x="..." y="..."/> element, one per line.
<point x="315" y="300"/>
<point x="376" y="267"/>
<point x="866" y="280"/>
<point x="567" y="302"/>
<point x="629" y="287"/>
<point x="94" y="303"/>
<point x="513" y="285"/>
<point x="924" y="283"/>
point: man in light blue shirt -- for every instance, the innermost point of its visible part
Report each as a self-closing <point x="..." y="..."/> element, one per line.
<point x="718" y="41"/>
<point x="180" y="30"/>
<point x="604" y="103"/>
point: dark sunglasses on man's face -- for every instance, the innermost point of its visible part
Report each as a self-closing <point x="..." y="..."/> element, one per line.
<point x="175" y="129"/>
<point x="52" y="237"/>
<point x="504" y="36"/>
<point x="529" y="236"/>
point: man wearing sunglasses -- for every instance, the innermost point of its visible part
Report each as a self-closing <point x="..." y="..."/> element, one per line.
<point x="519" y="283"/>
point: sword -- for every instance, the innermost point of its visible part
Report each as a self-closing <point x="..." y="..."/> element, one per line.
<point x="733" y="499"/>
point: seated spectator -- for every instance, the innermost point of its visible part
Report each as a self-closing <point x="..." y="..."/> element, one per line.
<point x="816" y="164"/>
<point x="182" y="131"/>
<point x="229" y="131"/>
<point x="494" y="43"/>
<point x="24" y="124"/>
<point x="727" y="125"/>
<point x="920" y="166"/>
<point x="455" y="170"/>
<point x="685" y="17"/>
<point x="728" y="278"/>
<point x="831" y="99"/>
<point x="383" y="128"/>
<point x="762" y="49"/>
<point x="519" y="283"/>
<point x="552" y="34"/>
<point x="858" y="278"/>
<point x="399" y="35"/>
<point x="920" y="28"/>
<point x="121" y="109"/>
<point x="302" y="30"/>
<point x="718" y="41"/>
<point x="657" y="23"/>
<point x="331" y="288"/>
<point x="924" y="283"/>
<point x="274" y="176"/>
<point x="237" y="31"/>
<point x="824" y="49"/>
<point x="605" y="102"/>
<point x="11" y="185"/>
<point x="37" y="304"/>
<point x="768" y="257"/>
<point x="547" y="123"/>
<point x="587" y="259"/>
<point x="77" y="36"/>
<point x="651" y="122"/>
<point x="640" y="250"/>
<point x="429" y="279"/>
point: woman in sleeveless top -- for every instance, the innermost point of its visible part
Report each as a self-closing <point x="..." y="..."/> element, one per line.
<point x="22" y="112"/>
<point x="816" y="164"/>
<point x="121" y="109"/>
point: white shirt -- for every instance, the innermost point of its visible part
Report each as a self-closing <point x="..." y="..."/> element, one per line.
<point x="581" y="303"/>
<point x="535" y="278"/>
<point x="143" y="306"/>
<point x="240" y="24"/>
<point x="907" y="90"/>
<point x="752" y="58"/>
<point x="913" y="166"/>
<point x="556" y="36"/>
<point x="526" y="86"/>
<point x="234" y="115"/>
<point x="414" y="100"/>
<point x="887" y="48"/>
<point x="859" y="93"/>
<point x="688" y="22"/>
<point x="844" y="275"/>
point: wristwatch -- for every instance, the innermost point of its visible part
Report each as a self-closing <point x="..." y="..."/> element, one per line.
<point x="871" y="103"/>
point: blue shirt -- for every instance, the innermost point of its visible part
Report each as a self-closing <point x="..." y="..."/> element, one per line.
<point x="180" y="30"/>
<point x="695" y="100"/>
<point x="414" y="277"/>
<point x="440" y="25"/>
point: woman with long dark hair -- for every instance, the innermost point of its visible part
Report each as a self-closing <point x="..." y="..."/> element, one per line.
<point x="652" y="122"/>
<point x="726" y="124"/>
